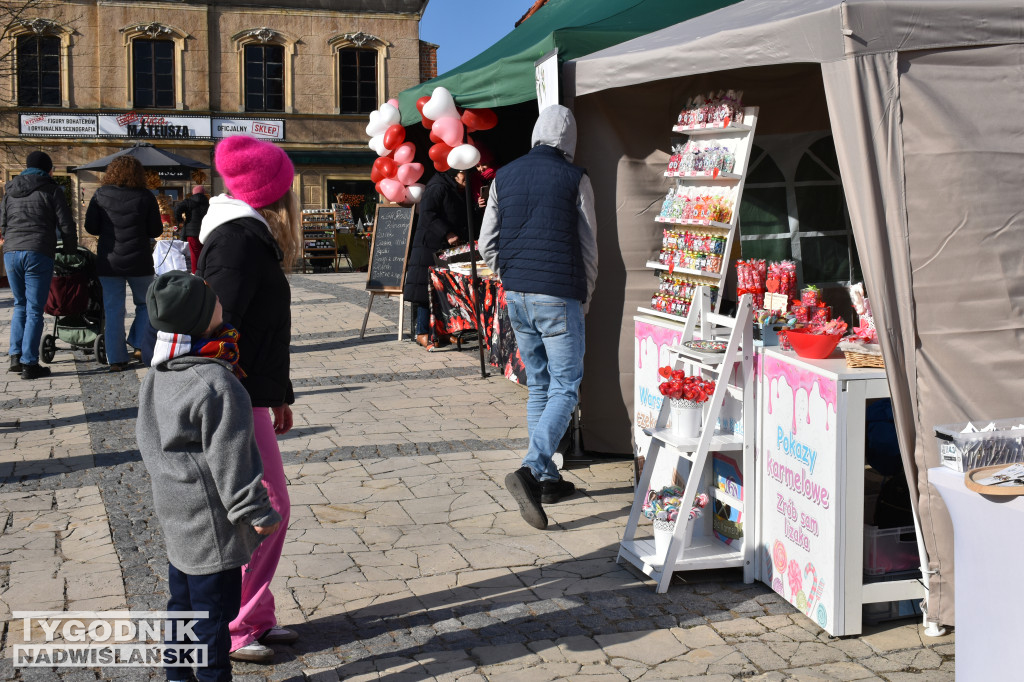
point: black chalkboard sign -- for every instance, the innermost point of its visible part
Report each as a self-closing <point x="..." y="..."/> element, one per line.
<point x="392" y="226"/>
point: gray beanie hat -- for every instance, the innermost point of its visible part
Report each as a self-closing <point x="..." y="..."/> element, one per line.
<point x="180" y="303"/>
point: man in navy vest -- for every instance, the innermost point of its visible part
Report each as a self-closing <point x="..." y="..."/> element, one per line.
<point x="538" y="234"/>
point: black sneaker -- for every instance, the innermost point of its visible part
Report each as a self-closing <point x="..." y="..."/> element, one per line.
<point x="526" y="492"/>
<point x="34" y="372"/>
<point x="15" y="364"/>
<point x="555" y="491"/>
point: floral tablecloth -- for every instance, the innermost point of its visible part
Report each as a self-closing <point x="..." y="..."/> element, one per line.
<point x="451" y="311"/>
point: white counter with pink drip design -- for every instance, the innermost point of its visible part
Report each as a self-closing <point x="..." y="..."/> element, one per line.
<point x="810" y="449"/>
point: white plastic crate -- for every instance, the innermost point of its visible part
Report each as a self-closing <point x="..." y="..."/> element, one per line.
<point x="889" y="550"/>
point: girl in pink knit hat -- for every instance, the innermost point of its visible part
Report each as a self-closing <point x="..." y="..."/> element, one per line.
<point x="251" y="238"/>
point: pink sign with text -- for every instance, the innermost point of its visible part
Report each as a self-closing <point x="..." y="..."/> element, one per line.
<point x="797" y="465"/>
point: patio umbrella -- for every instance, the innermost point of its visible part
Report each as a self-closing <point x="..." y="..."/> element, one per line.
<point x="149" y="156"/>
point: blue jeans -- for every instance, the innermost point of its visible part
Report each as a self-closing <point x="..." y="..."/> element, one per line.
<point x="550" y="334"/>
<point x="113" y="308"/>
<point x="422" y="319"/>
<point x="220" y="594"/>
<point x="29" y="274"/>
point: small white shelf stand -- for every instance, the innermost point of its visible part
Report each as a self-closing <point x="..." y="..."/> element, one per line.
<point x="694" y="545"/>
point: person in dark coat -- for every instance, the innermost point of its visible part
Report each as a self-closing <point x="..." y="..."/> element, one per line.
<point x="32" y="210"/>
<point x="125" y="217"/>
<point x="442" y="223"/>
<point x="250" y="240"/>
<point x="190" y="214"/>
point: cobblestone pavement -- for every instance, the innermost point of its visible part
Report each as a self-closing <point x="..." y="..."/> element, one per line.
<point x="406" y="559"/>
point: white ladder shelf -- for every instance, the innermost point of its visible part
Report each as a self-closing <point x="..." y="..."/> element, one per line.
<point x="694" y="545"/>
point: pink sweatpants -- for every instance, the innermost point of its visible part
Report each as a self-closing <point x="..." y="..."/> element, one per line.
<point x="256" y="615"/>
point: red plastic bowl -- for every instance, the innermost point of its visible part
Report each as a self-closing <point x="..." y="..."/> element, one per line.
<point x="814" y="346"/>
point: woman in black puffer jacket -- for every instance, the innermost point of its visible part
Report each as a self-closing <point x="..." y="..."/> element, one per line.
<point x="442" y="223"/>
<point x="125" y="217"/>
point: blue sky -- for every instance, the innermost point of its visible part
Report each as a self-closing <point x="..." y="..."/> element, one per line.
<point x="465" y="28"/>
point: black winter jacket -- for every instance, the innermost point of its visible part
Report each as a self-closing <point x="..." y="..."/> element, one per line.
<point x="125" y="219"/>
<point x="241" y="262"/>
<point x="442" y="210"/>
<point x="191" y="211"/>
<point x="32" y="210"/>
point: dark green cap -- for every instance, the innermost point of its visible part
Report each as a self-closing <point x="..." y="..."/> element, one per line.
<point x="180" y="303"/>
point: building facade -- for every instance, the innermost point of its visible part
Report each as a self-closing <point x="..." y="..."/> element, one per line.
<point x="87" y="79"/>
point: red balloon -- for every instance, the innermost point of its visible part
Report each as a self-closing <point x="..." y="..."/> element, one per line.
<point x="385" y="167"/>
<point x="427" y="123"/>
<point x="394" y="136"/>
<point x="441" y="166"/>
<point x="376" y="187"/>
<point x="438" y="153"/>
<point x="375" y="174"/>
<point x="434" y="137"/>
<point x="420" y="102"/>
<point x="479" y="119"/>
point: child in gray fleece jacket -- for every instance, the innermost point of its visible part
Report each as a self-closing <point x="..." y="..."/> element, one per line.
<point x="195" y="434"/>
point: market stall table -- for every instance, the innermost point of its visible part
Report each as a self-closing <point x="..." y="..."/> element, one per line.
<point x="355" y="247"/>
<point x="451" y="313"/>
<point x="987" y="547"/>
<point x="811" y="438"/>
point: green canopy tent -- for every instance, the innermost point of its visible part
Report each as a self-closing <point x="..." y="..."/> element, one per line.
<point x="503" y="74"/>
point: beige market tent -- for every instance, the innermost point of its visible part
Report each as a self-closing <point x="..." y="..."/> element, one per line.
<point x="924" y="100"/>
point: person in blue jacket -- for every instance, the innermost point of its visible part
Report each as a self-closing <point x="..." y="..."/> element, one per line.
<point x="538" y="235"/>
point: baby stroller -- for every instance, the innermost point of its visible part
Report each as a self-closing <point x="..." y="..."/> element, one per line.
<point x="76" y="303"/>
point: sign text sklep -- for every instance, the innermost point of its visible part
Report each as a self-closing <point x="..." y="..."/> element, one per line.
<point x="138" y="126"/>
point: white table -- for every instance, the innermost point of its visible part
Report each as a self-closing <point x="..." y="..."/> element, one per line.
<point x="988" y="552"/>
<point x="811" y="424"/>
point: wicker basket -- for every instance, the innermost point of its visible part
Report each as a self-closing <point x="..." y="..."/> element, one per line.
<point x="863" y="360"/>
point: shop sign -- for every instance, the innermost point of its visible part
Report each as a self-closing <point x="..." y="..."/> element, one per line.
<point x="267" y="129"/>
<point x="546" y="75"/>
<point x="153" y="126"/>
<point x="798" y="474"/>
<point x="58" y="125"/>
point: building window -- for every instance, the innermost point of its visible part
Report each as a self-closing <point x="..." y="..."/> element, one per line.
<point x="264" y="78"/>
<point x="153" y="73"/>
<point x="358" y="80"/>
<point x="38" y="59"/>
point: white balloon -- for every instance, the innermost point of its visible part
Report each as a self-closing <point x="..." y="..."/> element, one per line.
<point x="376" y="126"/>
<point x="377" y="145"/>
<point x="464" y="157"/>
<point x="441" y="104"/>
<point x="389" y="115"/>
<point x="414" y="192"/>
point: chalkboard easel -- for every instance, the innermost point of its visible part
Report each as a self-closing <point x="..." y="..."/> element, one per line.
<point x="389" y="255"/>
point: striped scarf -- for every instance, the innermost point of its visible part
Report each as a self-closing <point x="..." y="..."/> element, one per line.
<point x="224" y="346"/>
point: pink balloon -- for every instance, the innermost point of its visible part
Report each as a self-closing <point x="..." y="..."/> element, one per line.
<point x="393" y="190"/>
<point x="393" y="102"/>
<point x="408" y="173"/>
<point x="405" y="153"/>
<point x="449" y="129"/>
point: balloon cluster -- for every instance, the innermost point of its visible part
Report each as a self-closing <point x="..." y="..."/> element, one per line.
<point x="447" y="127"/>
<point x="394" y="173"/>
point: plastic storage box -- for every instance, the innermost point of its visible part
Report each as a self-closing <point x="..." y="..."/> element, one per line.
<point x="1004" y="444"/>
<point x="890" y="550"/>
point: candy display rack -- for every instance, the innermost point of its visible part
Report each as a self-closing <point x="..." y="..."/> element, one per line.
<point x="319" y="242"/>
<point x="695" y="545"/>
<point x="699" y="234"/>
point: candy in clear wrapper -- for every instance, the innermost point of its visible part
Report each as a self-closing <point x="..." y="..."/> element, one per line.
<point x="810" y="296"/>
